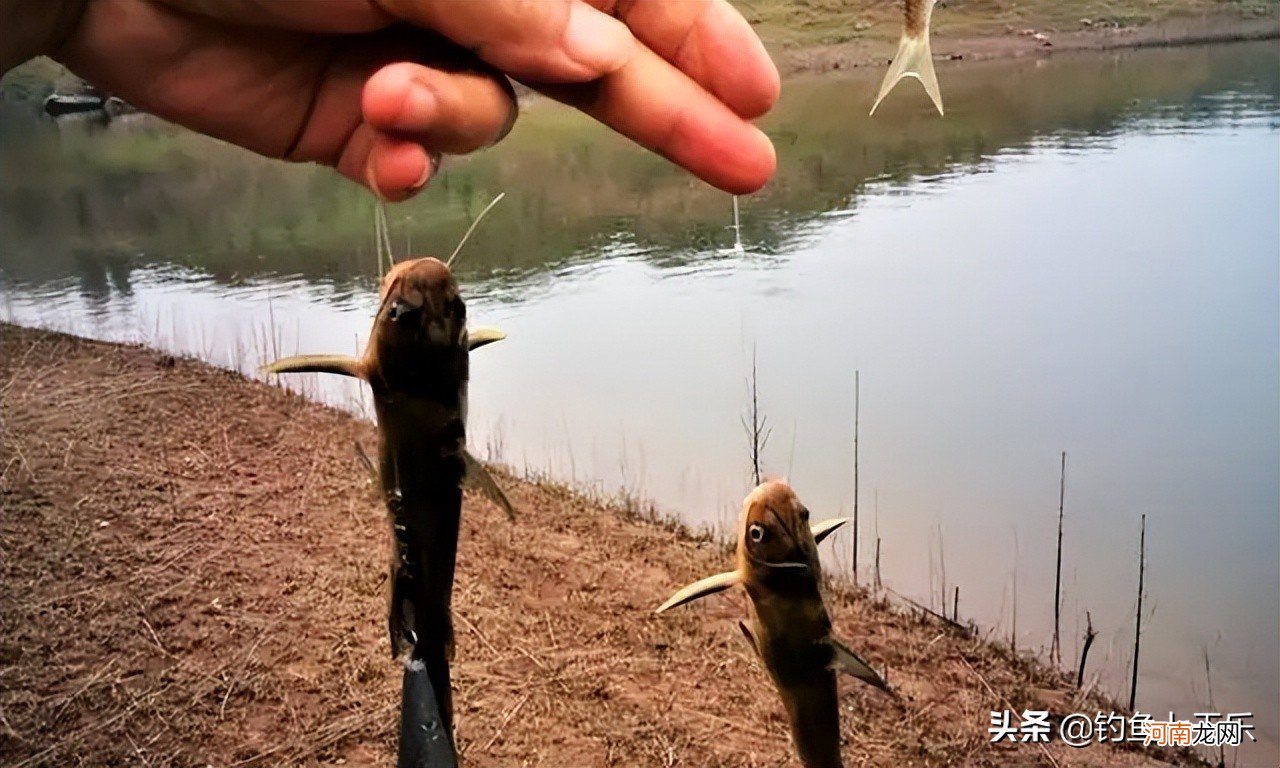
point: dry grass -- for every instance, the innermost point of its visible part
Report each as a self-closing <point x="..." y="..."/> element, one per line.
<point x="193" y="572"/>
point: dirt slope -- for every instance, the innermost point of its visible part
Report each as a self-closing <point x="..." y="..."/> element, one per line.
<point x="192" y="571"/>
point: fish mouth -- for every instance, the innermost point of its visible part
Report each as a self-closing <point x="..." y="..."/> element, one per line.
<point x="785" y="565"/>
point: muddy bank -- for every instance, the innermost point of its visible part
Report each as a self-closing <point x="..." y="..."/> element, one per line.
<point x="192" y="572"/>
<point x="1038" y="40"/>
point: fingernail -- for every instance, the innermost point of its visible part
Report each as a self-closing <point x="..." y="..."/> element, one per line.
<point x="597" y="41"/>
<point x="429" y="170"/>
<point x="419" y="109"/>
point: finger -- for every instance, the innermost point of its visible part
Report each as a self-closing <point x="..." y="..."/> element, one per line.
<point x="662" y="109"/>
<point x="279" y="93"/>
<point x="452" y="112"/>
<point x="395" y="168"/>
<point x="558" y="41"/>
<point x="710" y="42"/>
<point x="337" y="16"/>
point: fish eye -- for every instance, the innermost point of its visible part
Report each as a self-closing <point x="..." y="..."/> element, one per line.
<point x="756" y="532"/>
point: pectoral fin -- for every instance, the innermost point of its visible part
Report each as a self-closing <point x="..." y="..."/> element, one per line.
<point x="914" y="59"/>
<point x="342" y="364"/>
<point x="708" y="586"/>
<point x="478" y="337"/>
<point x="751" y="637"/>
<point x="478" y="477"/>
<point x="825" y="528"/>
<point x="367" y="463"/>
<point x="845" y="660"/>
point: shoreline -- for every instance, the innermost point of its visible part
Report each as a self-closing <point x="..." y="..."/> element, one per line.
<point x="195" y="561"/>
<point x="37" y="78"/>
<point x="1224" y="27"/>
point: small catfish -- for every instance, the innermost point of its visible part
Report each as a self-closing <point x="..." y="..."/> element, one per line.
<point x="914" y="59"/>
<point x="788" y="626"/>
<point x="416" y="363"/>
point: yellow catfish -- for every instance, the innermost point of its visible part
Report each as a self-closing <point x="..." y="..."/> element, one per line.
<point x="914" y="58"/>
<point x="788" y="625"/>
<point x="417" y="363"/>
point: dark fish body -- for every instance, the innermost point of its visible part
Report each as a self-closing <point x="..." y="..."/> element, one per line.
<point x="423" y="738"/>
<point x="790" y="625"/>
<point x="417" y="363"/>
<point x="422" y="471"/>
<point x="787" y="623"/>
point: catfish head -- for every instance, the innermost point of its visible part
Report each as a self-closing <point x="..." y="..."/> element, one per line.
<point x="419" y="343"/>
<point x="776" y="546"/>
<point x="774" y="540"/>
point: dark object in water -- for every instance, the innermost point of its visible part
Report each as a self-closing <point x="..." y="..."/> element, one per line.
<point x="424" y="742"/>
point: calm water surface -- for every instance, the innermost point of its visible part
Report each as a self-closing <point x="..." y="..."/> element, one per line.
<point x="1082" y="256"/>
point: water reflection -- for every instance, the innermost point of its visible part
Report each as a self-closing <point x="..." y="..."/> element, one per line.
<point x="1082" y="256"/>
<point x="163" y="196"/>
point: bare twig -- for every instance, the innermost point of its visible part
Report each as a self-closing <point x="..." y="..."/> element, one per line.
<point x="1089" y="635"/>
<point x="754" y="422"/>
<point x="1055" y="650"/>
<point x="1137" y="628"/>
<point x="857" y="404"/>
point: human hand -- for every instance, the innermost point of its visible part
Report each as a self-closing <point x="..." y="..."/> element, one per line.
<point x="377" y="88"/>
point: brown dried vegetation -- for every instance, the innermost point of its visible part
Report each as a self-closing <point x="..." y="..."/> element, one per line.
<point x="193" y="574"/>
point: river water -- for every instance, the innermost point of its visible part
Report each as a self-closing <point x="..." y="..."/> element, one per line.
<point x="1081" y="257"/>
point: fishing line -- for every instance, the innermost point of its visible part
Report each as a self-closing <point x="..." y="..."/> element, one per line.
<point x="472" y="228"/>
<point x="384" y="232"/>
<point x="381" y="235"/>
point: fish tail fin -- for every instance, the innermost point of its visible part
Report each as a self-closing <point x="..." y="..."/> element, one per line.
<point x="425" y="738"/>
<point x="340" y="364"/>
<point x="914" y="59"/>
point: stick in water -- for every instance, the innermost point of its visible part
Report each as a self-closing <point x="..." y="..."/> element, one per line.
<point x="1137" y="628"/>
<point x="737" y="228"/>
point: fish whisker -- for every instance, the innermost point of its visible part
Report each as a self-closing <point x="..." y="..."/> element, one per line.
<point x="467" y="235"/>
